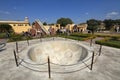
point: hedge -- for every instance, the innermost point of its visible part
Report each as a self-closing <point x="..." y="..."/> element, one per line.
<point x="78" y="36"/>
<point x="18" y="37"/>
<point x="109" y="42"/>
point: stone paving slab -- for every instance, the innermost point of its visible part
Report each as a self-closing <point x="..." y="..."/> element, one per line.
<point x="107" y="66"/>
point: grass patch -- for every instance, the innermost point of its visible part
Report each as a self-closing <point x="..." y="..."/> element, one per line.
<point x="107" y="35"/>
<point x="110" y="41"/>
<point x="18" y="37"/>
<point x="78" y="36"/>
<point x="2" y="35"/>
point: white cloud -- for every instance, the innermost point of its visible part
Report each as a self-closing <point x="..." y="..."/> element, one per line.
<point x="86" y="13"/>
<point x="112" y="14"/>
<point x="4" y="12"/>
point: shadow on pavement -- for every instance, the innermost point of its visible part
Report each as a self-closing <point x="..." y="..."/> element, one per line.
<point x="2" y="50"/>
<point x="2" y="45"/>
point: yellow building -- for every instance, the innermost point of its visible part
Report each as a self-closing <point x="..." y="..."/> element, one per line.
<point x="55" y="26"/>
<point x="70" y="27"/>
<point x="18" y="26"/>
<point x="82" y="27"/>
<point x="78" y="28"/>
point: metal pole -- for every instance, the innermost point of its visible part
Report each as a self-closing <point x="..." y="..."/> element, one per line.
<point x="28" y="42"/>
<point x="16" y="46"/>
<point x="92" y="60"/>
<point x="53" y="38"/>
<point x="91" y="42"/>
<point x="49" y="71"/>
<point x="16" y="59"/>
<point x="40" y="39"/>
<point x="66" y="36"/>
<point x="100" y="50"/>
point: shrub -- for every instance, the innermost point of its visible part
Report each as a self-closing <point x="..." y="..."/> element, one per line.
<point x="109" y="42"/>
<point x="81" y="35"/>
<point x="2" y="35"/>
<point x="116" y="37"/>
<point x="15" y="37"/>
<point x="78" y="36"/>
<point x="18" y="37"/>
<point x="103" y="35"/>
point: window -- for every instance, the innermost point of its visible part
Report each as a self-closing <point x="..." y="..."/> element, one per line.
<point x="14" y="25"/>
<point x="21" y="24"/>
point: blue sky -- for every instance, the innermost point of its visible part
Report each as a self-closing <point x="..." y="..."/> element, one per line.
<point x="51" y="10"/>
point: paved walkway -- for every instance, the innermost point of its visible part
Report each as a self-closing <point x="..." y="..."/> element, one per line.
<point x="3" y="40"/>
<point x="2" y="44"/>
<point x="97" y="38"/>
<point x="107" y="66"/>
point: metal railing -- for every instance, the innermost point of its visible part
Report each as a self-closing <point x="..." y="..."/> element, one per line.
<point x="57" y="68"/>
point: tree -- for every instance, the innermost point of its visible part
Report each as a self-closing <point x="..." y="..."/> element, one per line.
<point x="93" y="25"/>
<point x="44" y="23"/>
<point x="33" y="23"/>
<point x="117" y="21"/>
<point x="6" y="28"/>
<point x="109" y="23"/>
<point x="64" y="21"/>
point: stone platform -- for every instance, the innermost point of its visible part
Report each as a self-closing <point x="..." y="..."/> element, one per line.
<point x="106" y="67"/>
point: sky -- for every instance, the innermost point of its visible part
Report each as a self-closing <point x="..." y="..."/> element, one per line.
<point x="49" y="11"/>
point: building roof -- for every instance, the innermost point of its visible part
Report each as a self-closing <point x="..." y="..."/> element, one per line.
<point x="15" y="22"/>
<point x="11" y="22"/>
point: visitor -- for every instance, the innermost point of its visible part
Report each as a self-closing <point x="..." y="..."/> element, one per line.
<point x="117" y="29"/>
<point x="7" y="35"/>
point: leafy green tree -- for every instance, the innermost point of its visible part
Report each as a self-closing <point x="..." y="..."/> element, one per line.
<point x="93" y="25"/>
<point x="44" y="23"/>
<point x="109" y="23"/>
<point x="117" y="21"/>
<point x="33" y="23"/>
<point x="6" y="28"/>
<point x="64" y="21"/>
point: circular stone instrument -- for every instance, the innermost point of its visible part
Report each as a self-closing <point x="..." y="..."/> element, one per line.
<point x="61" y="53"/>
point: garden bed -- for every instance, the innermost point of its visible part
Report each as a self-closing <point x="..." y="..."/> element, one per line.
<point x="110" y="41"/>
<point x="78" y="36"/>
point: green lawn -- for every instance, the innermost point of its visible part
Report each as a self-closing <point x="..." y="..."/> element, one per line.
<point x="78" y="36"/>
<point x="2" y="35"/>
<point x="115" y="42"/>
<point x="109" y="42"/>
